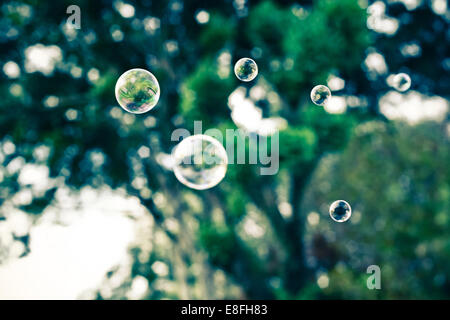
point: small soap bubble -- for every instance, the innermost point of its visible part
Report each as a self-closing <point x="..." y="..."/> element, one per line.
<point x="199" y="162"/>
<point x="246" y="69"/>
<point x="137" y="91"/>
<point x="401" y="82"/>
<point x="320" y="95"/>
<point x="340" y="211"/>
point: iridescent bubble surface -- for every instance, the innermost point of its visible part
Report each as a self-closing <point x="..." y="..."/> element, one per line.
<point x="137" y="91"/>
<point x="320" y="95"/>
<point x="401" y="82"/>
<point x="246" y="69"/>
<point x="199" y="162"/>
<point x="340" y="211"/>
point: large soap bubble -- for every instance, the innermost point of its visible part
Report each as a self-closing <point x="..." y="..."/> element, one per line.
<point x="340" y="211"/>
<point x="200" y="162"/>
<point x="137" y="91"/>
<point x="320" y="95"/>
<point x="401" y="82"/>
<point x="246" y="69"/>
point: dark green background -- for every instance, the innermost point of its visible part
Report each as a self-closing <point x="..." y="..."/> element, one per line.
<point x="395" y="176"/>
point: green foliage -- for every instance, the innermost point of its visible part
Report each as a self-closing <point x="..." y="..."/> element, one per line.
<point x="235" y="202"/>
<point x="331" y="35"/>
<point x="400" y="199"/>
<point x="251" y="236"/>
<point x="217" y="34"/>
<point x="309" y="44"/>
<point x="297" y="146"/>
<point x="211" y="105"/>
<point x="219" y="242"/>
<point x="332" y="131"/>
<point x="267" y="25"/>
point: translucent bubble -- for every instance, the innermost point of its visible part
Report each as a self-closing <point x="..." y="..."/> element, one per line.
<point x="340" y="211"/>
<point x="401" y="82"/>
<point x="246" y="69"/>
<point x="200" y="162"/>
<point x="320" y="95"/>
<point x="137" y="91"/>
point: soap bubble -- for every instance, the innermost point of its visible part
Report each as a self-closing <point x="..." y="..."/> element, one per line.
<point x="401" y="82"/>
<point x="246" y="69"/>
<point x="137" y="91"/>
<point x="200" y="162"/>
<point x="320" y="95"/>
<point x="340" y="211"/>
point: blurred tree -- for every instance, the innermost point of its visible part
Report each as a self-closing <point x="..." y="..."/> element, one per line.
<point x="63" y="103"/>
<point x="400" y="198"/>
